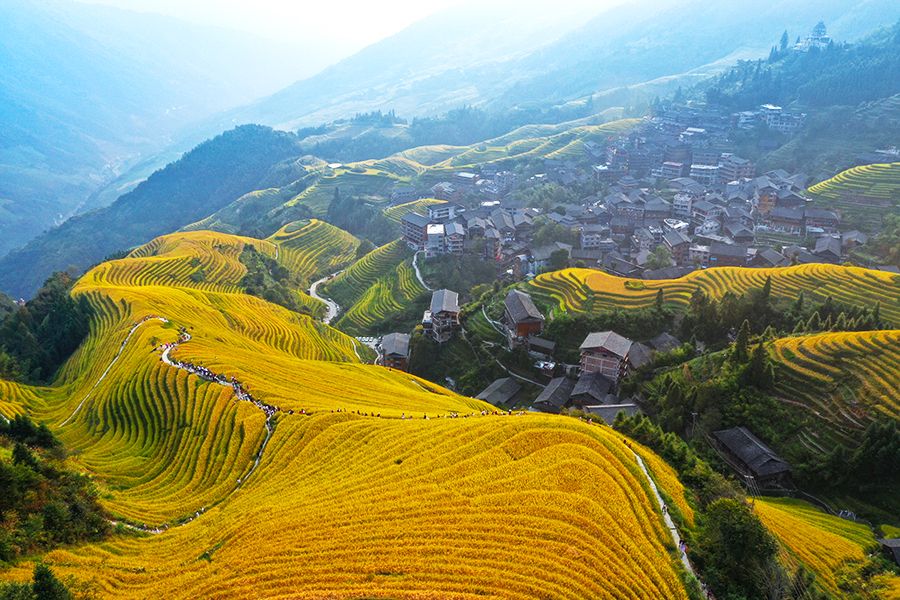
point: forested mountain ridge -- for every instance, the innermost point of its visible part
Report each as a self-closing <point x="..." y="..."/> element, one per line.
<point x="201" y="182"/>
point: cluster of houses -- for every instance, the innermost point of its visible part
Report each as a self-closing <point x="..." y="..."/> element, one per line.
<point x="439" y="322"/>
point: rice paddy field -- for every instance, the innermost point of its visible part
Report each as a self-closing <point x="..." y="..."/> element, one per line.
<point x="314" y="248"/>
<point x="865" y="192"/>
<point x="587" y="289"/>
<point x="395" y="213"/>
<point x="342" y="489"/>
<point x="379" y="285"/>
<point x="826" y="545"/>
<point x="844" y="380"/>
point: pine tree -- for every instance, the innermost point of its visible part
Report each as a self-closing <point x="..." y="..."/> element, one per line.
<point x="741" y="344"/>
<point x="841" y="323"/>
<point x="814" y="322"/>
<point x="876" y="315"/>
<point x="826" y="324"/>
<point x="659" y="300"/>
<point x="784" y="41"/>
<point x="46" y="586"/>
<point x="797" y="307"/>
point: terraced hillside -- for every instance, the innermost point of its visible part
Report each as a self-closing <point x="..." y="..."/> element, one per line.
<point x="314" y="248"/>
<point x="397" y="212"/>
<point x="591" y="290"/>
<point x="379" y="285"/>
<point x="865" y="193"/>
<point x="203" y="260"/>
<point x="826" y="545"/>
<point x="266" y="460"/>
<point x="844" y="380"/>
<point x="360" y="507"/>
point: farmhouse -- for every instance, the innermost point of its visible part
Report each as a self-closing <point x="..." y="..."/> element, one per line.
<point x="501" y="392"/>
<point x="415" y="230"/>
<point x="444" y="315"/>
<point x="521" y="316"/>
<point x="555" y="396"/>
<point x="751" y="458"/>
<point x="611" y="355"/>
<point x="591" y="388"/>
<point x="395" y="351"/>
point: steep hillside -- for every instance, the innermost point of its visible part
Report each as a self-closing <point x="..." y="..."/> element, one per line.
<point x="863" y="195"/>
<point x="236" y="431"/>
<point x="828" y="546"/>
<point x="380" y="286"/>
<point x="844" y="380"/>
<point x="590" y="290"/>
<point x="203" y="180"/>
<point x="87" y="91"/>
<point x="314" y="248"/>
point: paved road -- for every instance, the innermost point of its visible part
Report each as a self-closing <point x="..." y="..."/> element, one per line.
<point x="332" y="309"/>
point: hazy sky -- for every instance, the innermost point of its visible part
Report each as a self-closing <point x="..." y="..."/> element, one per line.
<point x="348" y="23"/>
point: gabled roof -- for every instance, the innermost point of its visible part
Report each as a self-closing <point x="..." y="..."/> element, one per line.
<point x="674" y="238"/>
<point x="521" y="306"/>
<point x="500" y="391"/>
<point x="555" y="395"/>
<point x="756" y="456"/>
<point x="454" y="229"/>
<point x="608" y="412"/>
<point x="608" y="340"/>
<point x="416" y="219"/>
<point x="444" y="301"/>
<point x="664" y="342"/>
<point x="735" y="250"/>
<point x="828" y="244"/>
<point x="395" y="344"/>
<point x="593" y="386"/>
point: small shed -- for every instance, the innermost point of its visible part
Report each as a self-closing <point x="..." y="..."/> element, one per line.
<point x="555" y="396"/>
<point x="500" y="392"/>
<point x="750" y="457"/>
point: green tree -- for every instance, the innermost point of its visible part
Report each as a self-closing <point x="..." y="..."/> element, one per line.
<point x="660" y="258"/>
<point x="735" y="550"/>
<point x="660" y="297"/>
<point x="46" y="586"/>
<point x="739" y="353"/>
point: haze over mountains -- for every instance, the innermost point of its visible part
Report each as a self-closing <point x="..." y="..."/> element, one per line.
<point x="87" y="91"/>
<point x="95" y="99"/>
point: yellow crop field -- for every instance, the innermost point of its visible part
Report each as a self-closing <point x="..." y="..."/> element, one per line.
<point x="823" y="543"/>
<point x="314" y="248"/>
<point x="397" y="212"/>
<point x="846" y="380"/>
<point x="867" y="181"/>
<point x="263" y="459"/>
<point x="578" y="289"/>
<point x="348" y="507"/>
<point x="380" y="284"/>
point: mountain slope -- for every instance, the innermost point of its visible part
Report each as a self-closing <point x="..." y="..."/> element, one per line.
<point x="86" y="91"/>
<point x="204" y="180"/>
<point x="315" y="486"/>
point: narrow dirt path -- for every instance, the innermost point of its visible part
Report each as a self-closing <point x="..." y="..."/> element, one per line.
<point x="112" y="362"/>
<point x="415" y="264"/>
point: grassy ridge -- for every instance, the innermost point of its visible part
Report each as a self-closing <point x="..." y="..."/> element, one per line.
<point x="591" y="290"/>
<point x="462" y="508"/>
<point x="847" y="380"/>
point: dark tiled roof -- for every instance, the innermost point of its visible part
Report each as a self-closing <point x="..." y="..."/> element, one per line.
<point x="396" y="344"/>
<point x="608" y="412"/>
<point x="555" y="395"/>
<point x="444" y="301"/>
<point x="416" y="219"/>
<point x="720" y="249"/>
<point x="758" y="458"/>
<point x="521" y="307"/>
<point x="609" y="341"/>
<point x="593" y="385"/>
<point x="664" y="342"/>
<point x="500" y="391"/>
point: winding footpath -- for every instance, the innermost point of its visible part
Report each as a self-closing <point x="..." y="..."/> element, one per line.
<point x="332" y="308"/>
<point x="676" y="537"/>
<point x="415" y="264"/>
<point x="113" y="362"/>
